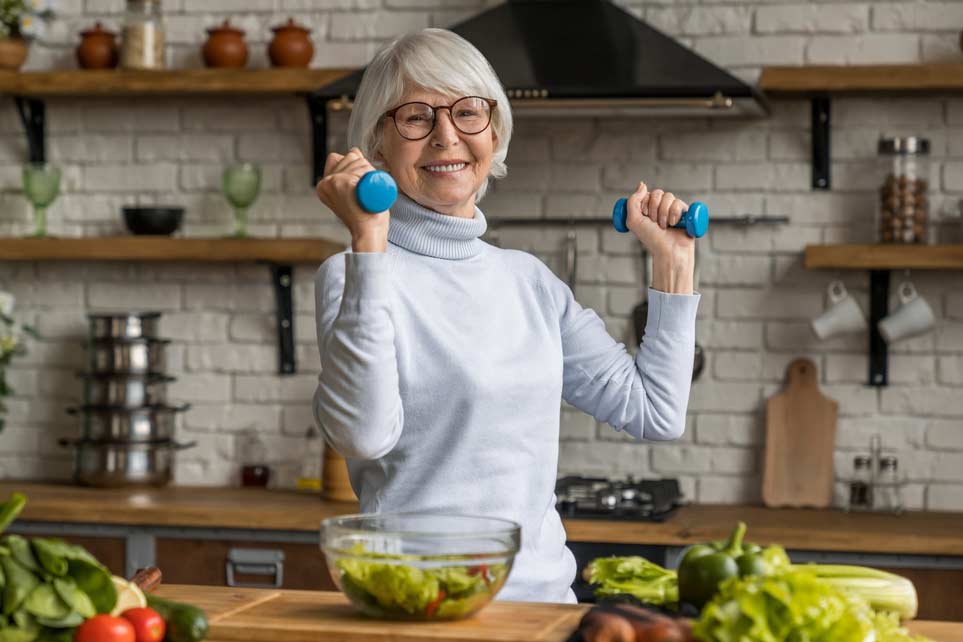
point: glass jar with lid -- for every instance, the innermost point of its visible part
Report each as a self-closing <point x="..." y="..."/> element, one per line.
<point x="143" y="40"/>
<point x="903" y="212"/>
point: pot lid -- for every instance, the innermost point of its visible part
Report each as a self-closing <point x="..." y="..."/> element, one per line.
<point x="98" y="30"/>
<point x="290" y="25"/>
<point x="226" y="27"/>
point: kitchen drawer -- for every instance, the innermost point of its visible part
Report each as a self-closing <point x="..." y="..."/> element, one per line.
<point x="204" y="561"/>
<point x="940" y="591"/>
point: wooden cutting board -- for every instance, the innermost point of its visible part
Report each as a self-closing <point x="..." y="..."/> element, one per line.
<point x="800" y="439"/>
<point x="248" y="615"/>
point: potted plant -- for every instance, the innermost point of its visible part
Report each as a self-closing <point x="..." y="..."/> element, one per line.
<point x="11" y="344"/>
<point x="20" y="21"/>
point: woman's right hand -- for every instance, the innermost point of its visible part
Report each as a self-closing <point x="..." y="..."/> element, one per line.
<point x="369" y="232"/>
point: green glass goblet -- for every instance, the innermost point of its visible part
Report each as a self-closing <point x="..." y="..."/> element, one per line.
<point x="41" y="184"/>
<point x="242" y="183"/>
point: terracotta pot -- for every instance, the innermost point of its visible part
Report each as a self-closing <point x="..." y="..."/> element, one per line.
<point x="225" y="47"/>
<point x="13" y="52"/>
<point x="291" y="46"/>
<point x="97" y="49"/>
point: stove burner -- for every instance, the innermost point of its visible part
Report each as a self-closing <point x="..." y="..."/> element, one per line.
<point x="651" y="500"/>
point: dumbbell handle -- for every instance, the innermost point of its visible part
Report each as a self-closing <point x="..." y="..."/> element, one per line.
<point x="695" y="220"/>
<point x="376" y="191"/>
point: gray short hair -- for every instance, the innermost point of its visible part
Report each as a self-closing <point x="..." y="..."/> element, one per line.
<point x="434" y="60"/>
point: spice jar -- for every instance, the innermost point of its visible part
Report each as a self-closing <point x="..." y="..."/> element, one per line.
<point x="888" y="496"/>
<point x="225" y="47"/>
<point x="143" y="36"/>
<point x="861" y="484"/>
<point x="903" y="213"/>
<point x="97" y="48"/>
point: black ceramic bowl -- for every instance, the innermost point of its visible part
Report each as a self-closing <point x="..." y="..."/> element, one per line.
<point x="153" y="220"/>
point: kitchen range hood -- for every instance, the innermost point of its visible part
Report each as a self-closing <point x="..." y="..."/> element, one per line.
<point x="590" y="57"/>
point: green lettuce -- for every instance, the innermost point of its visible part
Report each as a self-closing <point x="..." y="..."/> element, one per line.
<point x="393" y="589"/>
<point x="790" y="606"/>
<point x="636" y="576"/>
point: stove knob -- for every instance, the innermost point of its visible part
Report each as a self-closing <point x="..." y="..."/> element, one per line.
<point x="608" y="500"/>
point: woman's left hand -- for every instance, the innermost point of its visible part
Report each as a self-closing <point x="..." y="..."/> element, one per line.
<point x="650" y="216"/>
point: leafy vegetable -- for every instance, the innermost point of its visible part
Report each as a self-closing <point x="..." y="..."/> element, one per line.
<point x="47" y="586"/>
<point x="791" y="605"/>
<point x="636" y="576"/>
<point x="392" y="588"/>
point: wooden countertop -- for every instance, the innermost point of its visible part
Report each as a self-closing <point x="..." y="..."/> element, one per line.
<point x="258" y="615"/>
<point x="923" y="533"/>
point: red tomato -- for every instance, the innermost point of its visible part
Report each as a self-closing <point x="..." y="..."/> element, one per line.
<point x="148" y="624"/>
<point x="433" y="605"/>
<point x="105" y="628"/>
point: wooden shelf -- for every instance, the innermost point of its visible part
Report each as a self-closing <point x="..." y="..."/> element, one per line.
<point x="123" y="82"/>
<point x="860" y="78"/>
<point x="146" y="248"/>
<point x="885" y="257"/>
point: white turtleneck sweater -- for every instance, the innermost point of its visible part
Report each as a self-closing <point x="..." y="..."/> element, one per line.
<point x="444" y="361"/>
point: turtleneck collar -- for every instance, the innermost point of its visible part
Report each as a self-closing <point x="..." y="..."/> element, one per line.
<point x="424" y="231"/>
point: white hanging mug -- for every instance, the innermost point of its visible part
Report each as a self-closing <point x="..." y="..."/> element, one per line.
<point x="914" y="316"/>
<point x="843" y="316"/>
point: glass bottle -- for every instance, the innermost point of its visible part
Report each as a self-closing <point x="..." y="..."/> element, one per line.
<point x="143" y="41"/>
<point x="888" y="497"/>
<point x="861" y="485"/>
<point x="903" y="212"/>
<point x="309" y="476"/>
<point x="254" y="468"/>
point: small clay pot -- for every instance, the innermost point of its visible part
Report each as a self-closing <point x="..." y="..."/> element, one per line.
<point x="225" y="47"/>
<point x="13" y="52"/>
<point x="97" y="49"/>
<point x="291" y="46"/>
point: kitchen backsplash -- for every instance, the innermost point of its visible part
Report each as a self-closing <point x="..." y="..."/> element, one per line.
<point x="757" y="298"/>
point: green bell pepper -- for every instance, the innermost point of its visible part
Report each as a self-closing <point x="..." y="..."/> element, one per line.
<point x="705" y="566"/>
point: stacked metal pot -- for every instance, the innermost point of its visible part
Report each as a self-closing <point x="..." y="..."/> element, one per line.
<point x="127" y="427"/>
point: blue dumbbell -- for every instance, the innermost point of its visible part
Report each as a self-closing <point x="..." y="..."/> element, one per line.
<point x="376" y="191"/>
<point x="695" y="220"/>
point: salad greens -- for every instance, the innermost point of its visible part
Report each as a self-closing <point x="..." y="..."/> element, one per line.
<point x="636" y="576"/>
<point x="793" y="605"/>
<point x="392" y="590"/>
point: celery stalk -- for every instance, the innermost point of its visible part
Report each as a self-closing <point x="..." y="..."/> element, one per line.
<point x="882" y="590"/>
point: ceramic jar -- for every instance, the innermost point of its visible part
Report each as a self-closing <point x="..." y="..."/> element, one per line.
<point x="97" y="49"/>
<point x="13" y="52"/>
<point x="291" y="46"/>
<point x="225" y="47"/>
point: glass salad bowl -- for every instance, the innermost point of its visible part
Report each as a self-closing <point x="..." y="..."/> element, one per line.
<point x="419" y="566"/>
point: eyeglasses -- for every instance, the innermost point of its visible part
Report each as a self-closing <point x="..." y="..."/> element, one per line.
<point x="470" y="115"/>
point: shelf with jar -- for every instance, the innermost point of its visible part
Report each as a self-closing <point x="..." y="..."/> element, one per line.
<point x="904" y="234"/>
<point x="819" y="83"/>
<point x="137" y="66"/>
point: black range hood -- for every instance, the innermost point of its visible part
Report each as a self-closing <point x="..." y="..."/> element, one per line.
<point x="590" y="56"/>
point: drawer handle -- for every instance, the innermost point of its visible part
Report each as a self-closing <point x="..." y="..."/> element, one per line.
<point x="255" y="561"/>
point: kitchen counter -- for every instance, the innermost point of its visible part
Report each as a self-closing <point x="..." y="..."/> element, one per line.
<point x="258" y="615"/>
<point x="923" y="533"/>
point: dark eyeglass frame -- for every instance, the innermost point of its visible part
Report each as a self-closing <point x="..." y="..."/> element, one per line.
<point x="434" y="116"/>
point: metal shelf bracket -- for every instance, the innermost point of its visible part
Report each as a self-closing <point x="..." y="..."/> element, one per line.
<point x="318" y="108"/>
<point x="281" y="276"/>
<point x="820" y="142"/>
<point x="878" y="309"/>
<point x="33" y="115"/>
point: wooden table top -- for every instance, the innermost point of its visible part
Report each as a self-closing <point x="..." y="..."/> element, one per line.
<point x="925" y="533"/>
<point x="259" y="615"/>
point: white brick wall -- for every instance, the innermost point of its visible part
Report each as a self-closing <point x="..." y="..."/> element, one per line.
<point x="757" y="297"/>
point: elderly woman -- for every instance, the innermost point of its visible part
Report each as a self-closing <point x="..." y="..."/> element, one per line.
<point x="445" y="359"/>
